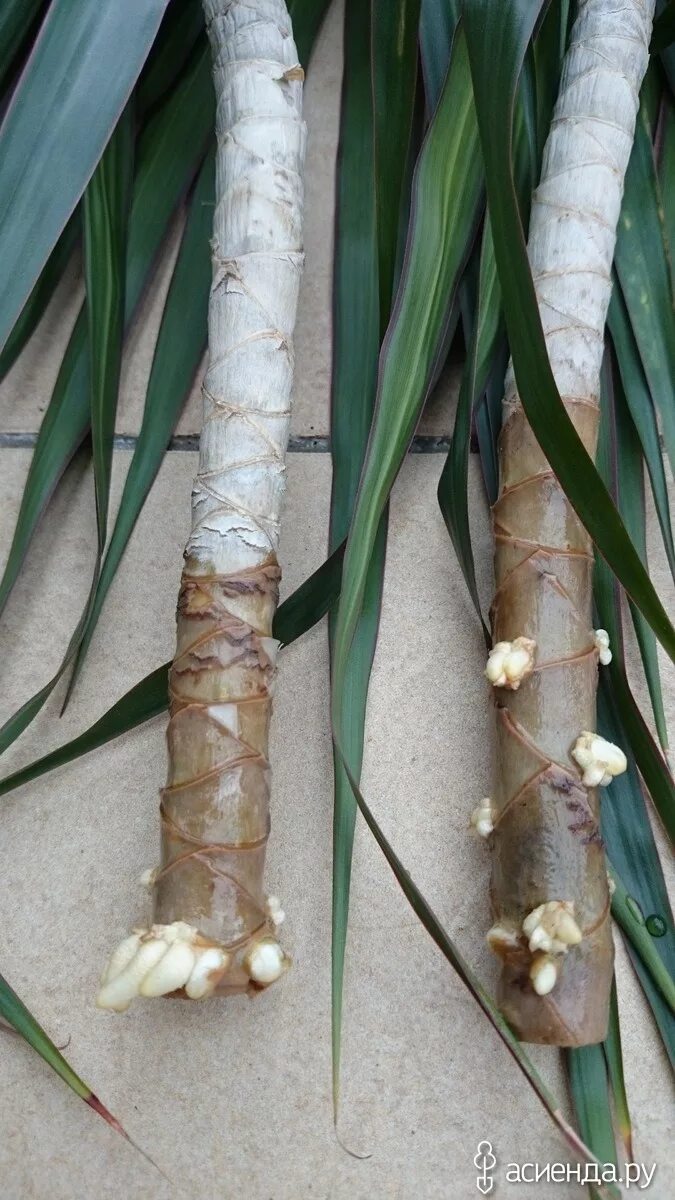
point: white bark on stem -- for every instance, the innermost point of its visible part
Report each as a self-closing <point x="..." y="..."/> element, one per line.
<point x="548" y="853"/>
<point x="215" y="930"/>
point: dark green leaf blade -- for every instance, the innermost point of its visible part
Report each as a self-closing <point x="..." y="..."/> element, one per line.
<point x="446" y="199"/>
<point x="37" y="302"/>
<point x="498" y="36"/>
<point x="642" y="264"/>
<point x="587" y="1073"/>
<point x="394" y="79"/>
<point x="14" y="1011"/>
<point x="16" y="18"/>
<point x="180" y="346"/>
<point x="105" y="215"/>
<point x="306" y="16"/>
<point x="356" y="343"/>
<point x="182" y="26"/>
<point x="53" y="135"/>
<point x="142" y="702"/>
<point x="614" y="1060"/>
<point x="641" y="408"/>
<point x="170" y="151"/>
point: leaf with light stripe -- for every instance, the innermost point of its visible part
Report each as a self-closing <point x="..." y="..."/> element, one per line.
<point x="83" y="67"/>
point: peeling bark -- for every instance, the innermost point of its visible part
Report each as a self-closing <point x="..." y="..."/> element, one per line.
<point x="547" y="844"/>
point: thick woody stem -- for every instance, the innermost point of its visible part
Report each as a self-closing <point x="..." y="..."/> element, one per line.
<point x="547" y="843"/>
<point x="215" y="806"/>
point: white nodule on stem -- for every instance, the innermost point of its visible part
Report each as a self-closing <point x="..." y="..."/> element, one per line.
<point x="509" y="663"/>
<point x="611" y="886"/>
<point x="160" y="960"/>
<point x="601" y="639"/>
<point x="266" y="962"/>
<point x="543" y="974"/>
<point x="274" y="911"/>
<point x="551" y="927"/>
<point x="209" y="968"/>
<point x="502" y="939"/>
<point x="482" y="818"/>
<point x="600" y="761"/>
<point x="148" y="878"/>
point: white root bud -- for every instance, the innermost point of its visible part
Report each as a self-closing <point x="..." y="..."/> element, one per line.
<point x="544" y="974"/>
<point x="274" y="911"/>
<point x="509" y="663"/>
<point x="601" y="639"/>
<point x="551" y="927"/>
<point x="266" y="962"/>
<point x="599" y="760"/>
<point x="160" y="960"/>
<point x="611" y="886"/>
<point x="502" y="939"/>
<point x="148" y="878"/>
<point x="482" y="818"/>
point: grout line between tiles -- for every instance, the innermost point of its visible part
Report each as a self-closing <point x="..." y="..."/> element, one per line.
<point x="305" y="444"/>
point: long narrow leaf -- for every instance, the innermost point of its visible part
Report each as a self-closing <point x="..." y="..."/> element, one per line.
<point x="40" y="296"/>
<point x="105" y="218"/>
<point x="169" y="152"/>
<point x="614" y="1060"/>
<point x="180" y="346"/>
<point x="446" y="196"/>
<point x="17" y="1015"/>
<point x="394" y="77"/>
<point x="642" y="264"/>
<point x="53" y="135"/>
<point x="356" y="343"/>
<point x="16" y="18"/>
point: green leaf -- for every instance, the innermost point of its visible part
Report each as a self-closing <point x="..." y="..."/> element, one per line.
<point x="63" y="428"/>
<point x="485" y="326"/>
<point x="639" y="401"/>
<point x="180" y="346"/>
<point x="179" y="32"/>
<point x="356" y="343"/>
<point x="306" y="16"/>
<point x="169" y="152"/>
<point x="16" y="18"/>
<point x="667" y="175"/>
<point x="83" y="67"/>
<point x="41" y="294"/>
<point x="438" y="22"/>
<point x="608" y="603"/>
<point x="446" y="197"/>
<point x="587" y="1073"/>
<point x="17" y="1015"/>
<point x="663" y="33"/>
<point x="142" y="702"/>
<point x="620" y="445"/>
<point x="497" y="37"/>
<point x="105" y="217"/>
<point x="394" y="79"/>
<point x="628" y="912"/>
<point x="614" y="1060"/>
<point x="642" y="264"/>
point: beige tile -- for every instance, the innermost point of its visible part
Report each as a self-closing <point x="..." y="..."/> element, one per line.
<point x="26" y="391"/>
<point x="234" y="1098"/>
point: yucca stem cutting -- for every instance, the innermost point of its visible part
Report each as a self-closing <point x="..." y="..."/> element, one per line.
<point x="549" y="890"/>
<point x="214" y="930"/>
